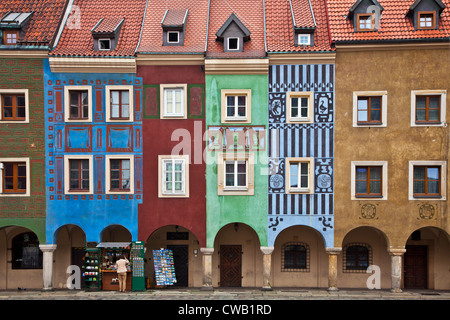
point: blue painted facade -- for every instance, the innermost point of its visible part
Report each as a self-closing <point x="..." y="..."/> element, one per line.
<point x="301" y="140"/>
<point x="96" y="139"/>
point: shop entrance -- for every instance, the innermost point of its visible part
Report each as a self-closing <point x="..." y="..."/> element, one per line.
<point x="415" y="267"/>
<point x="230" y="265"/>
<point x="181" y="264"/>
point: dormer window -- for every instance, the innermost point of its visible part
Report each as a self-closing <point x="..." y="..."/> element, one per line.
<point x="106" y="33"/>
<point x="233" y="34"/>
<point x="366" y="15"/>
<point x="425" y="14"/>
<point x="104" y="44"/>
<point x="10" y="26"/>
<point x="304" y="39"/>
<point x="304" y="24"/>
<point x="174" y="27"/>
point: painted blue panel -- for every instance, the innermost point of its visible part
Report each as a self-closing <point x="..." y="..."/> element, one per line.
<point x="95" y="211"/>
<point x="311" y="140"/>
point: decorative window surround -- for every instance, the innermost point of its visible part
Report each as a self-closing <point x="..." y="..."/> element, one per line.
<point x="67" y="158"/>
<point x="442" y="115"/>
<point x="166" y="88"/>
<point x="25" y="92"/>
<point x="108" y="159"/>
<point x="67" y="90"/>
<point x="248" y="105"/>
<point x="223" y="190"/>
<point x="384" y="103"/>
<point x="161" y="179"/>
<point x="310" y="188"/>
<point x="309" y="118"/>
<point x="108" y="90"/>
<point x="442" y="180"/>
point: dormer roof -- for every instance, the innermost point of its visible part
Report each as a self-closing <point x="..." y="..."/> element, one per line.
<point x="108" y="26"/>
<point x="302" y="14"/>
<point x="14" y="19"/>
<point x="417" y="2"/>
<point x="175" y="18"/>
<point x="233" y="18"/>
<point x="358" y="2"/>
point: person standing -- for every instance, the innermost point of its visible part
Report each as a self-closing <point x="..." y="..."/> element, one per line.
<point x="121" y="267"/>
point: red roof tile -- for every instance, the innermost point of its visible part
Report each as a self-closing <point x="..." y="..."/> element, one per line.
<point x="44" y="23"/>
<point x="303" y="15"/>
<point x="279" y="25"/>
<point x="196" y="26"/>
<point x="251" y="14"/>
<point x="77" y="39"/>
<point x="394" y="25"/>
<point x="107" y="25"/>
<point x="174" y="17"/>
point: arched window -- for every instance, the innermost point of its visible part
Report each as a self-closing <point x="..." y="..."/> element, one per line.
<point x="25" y="252"/>
<point x="295" y="257"/>
<point x="358" y="257"/>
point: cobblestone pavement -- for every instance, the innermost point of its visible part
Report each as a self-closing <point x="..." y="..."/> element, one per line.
<point x="226" y="294"/>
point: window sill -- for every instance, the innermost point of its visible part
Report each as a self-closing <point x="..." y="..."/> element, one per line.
<point x="369" y="196"/>
<point x="427" y="197"/>
<point x="243" y="189"/>
<point x="367" y="124"/>
<point x="307" y="191"/>
<point x="428" y="123"/>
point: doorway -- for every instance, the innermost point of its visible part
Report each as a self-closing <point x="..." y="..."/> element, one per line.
<point x="415" y="267"/>
<point x="181" y="264"/>
<point x="230" y="265"/>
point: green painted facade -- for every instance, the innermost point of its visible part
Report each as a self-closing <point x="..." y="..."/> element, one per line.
<point x="25" y="140"/>
<point x="248" y="209"/>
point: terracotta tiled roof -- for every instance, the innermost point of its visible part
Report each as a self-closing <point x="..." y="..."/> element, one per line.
<point x="303" y="15"/>
<point x="77" y="39"/>
<point x="43" y="24"/>
<point x="279" y="25"/>
<point x="394" y="25"/>
<point x="196" y="26"/>
<point x="107" y="25"/>
<point x="250" y="13"/>
<point x="174" y="17"/>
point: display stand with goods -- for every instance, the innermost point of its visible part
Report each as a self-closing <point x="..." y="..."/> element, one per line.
<point x="164" y="267"/>
<point x="92" y="271"/>
<point x="110" y="252"/>
<point x="137" y="261"/>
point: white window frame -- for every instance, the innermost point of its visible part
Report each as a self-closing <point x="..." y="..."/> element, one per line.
<point x="67" y="90"/>
<point x="300" y="35"/>
<point x="163" y="104"/>
<point x="108" y="90"/>
<point x="310" y="188"/>
<point x="384" y="107"/>
<point x="443" y="180"/>
<point x="27" y="104"/>
<point x="300" y="94"/>
<point x="224" y="190"/>
<point x="104" y="39"/>
<point x="108" y="159"/>
<point x="28" y="170"/>
<point x="165" y="194"/>
<point x="67" y="158"/>
<point x="178" y="36"/>
<point x="443" y="107"/>
<point x="228" y="43"/>
<point x="384" y="186"/>
<point x="248" y="105"/>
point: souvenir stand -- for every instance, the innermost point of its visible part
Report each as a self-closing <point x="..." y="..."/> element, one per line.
<point x="164" y="267"/>
<point x="91" y="269"/>
<point x="110" y="252"/>
<point x="137" y="260"/>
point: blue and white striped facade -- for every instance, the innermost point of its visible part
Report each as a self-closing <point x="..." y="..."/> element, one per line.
<point x="301" y="140"/>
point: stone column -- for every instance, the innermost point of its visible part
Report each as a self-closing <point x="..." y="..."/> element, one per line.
<point x="396" y="269"/>
<point x="332" y="267"/>
<point x="47" y="265"/>
<point x="207" y="268"/>
<point x="267" y="266"/>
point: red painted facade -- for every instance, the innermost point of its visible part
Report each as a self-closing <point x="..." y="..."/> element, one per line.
<point x="156" y="212"/>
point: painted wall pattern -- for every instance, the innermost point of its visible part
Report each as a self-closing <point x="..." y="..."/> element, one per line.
<point x="98" y="138"/>
<point x="25" y="140"/>
<point x="313" y="140"/>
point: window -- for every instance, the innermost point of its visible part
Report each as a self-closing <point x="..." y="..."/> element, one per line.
<point x="104" y="44"/>
<point x="428" y="107"/>
<point x="14" y="177"/>
<point x="427" y="179"/>
<point x="10" y="37"/>
<point x="120" y="102"/>
<point x="233" y="43"/>
<point x="174" y="101"/>
<point x="78" y="103"/>
<point x="173" y="36"/>
<point x="304" y="39"/>
<point x="78" y="174"/>
<point x="369" y="180"/>
<point x="299" y="175"/>
<point x="295" y="257"/>
<point x="14" y="105"/>
<point x="370" y="108"/>
<point x="427" y="20"/>
<point x="236" y="106"/>
<point x="357" y="258"/>
<point x="235" y="173"/>
<point x="365" y="22"/>
<point x="119" y="174"/>
<point x="25" y="252"/>
<point x="173" y="176"/>
<point x="300" y="107"/>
